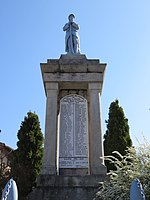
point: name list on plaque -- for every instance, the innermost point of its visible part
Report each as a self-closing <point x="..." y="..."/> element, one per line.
<point x="73" y="132"/>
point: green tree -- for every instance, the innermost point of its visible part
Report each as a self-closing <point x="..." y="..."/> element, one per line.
<point x="28" y="156"/>
<point x="134" y="164"/>
<point x="117" y="137"/>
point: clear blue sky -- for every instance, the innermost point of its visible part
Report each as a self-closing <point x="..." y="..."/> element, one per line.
<point x="116" y="32"/>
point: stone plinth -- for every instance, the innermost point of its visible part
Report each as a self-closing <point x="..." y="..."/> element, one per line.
<point x="67" y="187"/>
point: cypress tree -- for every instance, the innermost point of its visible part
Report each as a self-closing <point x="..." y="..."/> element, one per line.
<point x="117" y="137"/>
<point x="27" y="159"/>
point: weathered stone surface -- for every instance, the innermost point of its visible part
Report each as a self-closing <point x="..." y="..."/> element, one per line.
<point x="50" y="128"/>
<point x="72" y="59"/>
<point x="70" y="181"/>
<point x="96" y="153"/>
<point x="64" y="193"/>
<point x="73" y="86"/>
<point x="68" y="77"/>
<point x="67" y="187"/>
<point x="73" y="71"/>
<point x="73" y="63"/>
<point x="73" y="133"/>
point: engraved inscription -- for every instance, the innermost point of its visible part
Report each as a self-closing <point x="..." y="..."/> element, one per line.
<point x="73" y="134"/>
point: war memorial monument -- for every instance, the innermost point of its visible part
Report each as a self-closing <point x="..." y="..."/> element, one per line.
<point x="73" y="162"/>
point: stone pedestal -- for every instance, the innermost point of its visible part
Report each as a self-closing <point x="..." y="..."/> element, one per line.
<point x="67" y="187"/>
<point x="72" y="76"/>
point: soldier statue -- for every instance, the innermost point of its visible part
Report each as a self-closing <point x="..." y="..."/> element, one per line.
<point x="72" y="39"/>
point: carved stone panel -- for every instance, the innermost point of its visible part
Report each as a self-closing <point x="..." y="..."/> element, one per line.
<point x="73" y="132"/>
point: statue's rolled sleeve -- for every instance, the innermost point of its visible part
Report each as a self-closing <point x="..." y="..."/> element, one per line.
<point x="74" y="25"/>
<point x="66" y="27"/>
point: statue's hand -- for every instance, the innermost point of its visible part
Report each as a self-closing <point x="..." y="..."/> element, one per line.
<point x="66" y="27"/>
<point x="74" y="25"/>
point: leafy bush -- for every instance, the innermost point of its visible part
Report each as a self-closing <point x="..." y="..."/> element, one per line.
<point x="134" y="164"/>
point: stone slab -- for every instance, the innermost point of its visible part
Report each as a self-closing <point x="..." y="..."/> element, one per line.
<point x="96" y="68"/>
<point x="74" y="68"/>
<point x="86" y="67"/>
<point x="71" y="181"/>
<point x="74" y="172"/>
<point x="49" y="68"/>
<point x="73" y="77"/>
<point x="63" y="193"/>
<point x="73" y="132"/>
<point x="67" y="187"/>
<point x="72" y="59"/>
<point x="73" y="86"/>
<point x="73" y="63"/>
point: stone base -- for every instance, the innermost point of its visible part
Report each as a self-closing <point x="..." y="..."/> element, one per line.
<point x="67" y="187"/>
<point x="73" y="172"/>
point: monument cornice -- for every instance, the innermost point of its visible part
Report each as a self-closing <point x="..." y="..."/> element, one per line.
<point x="73" y="64"/>
<point x="73" y="71"/>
